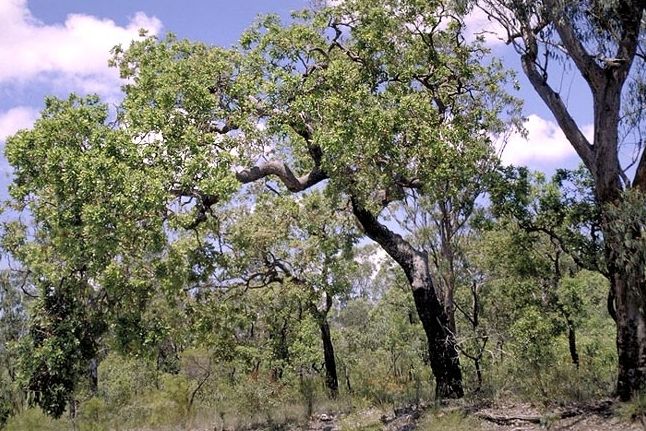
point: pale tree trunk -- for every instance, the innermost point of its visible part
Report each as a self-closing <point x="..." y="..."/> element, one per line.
<point x="629" y="287"/>
<point x="626" y="281"/>
<point x="606" y="79"/>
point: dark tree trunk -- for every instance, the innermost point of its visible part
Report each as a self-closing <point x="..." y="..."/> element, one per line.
<point x="93" y="375"/>
<point x="441" y="344"/>
<point x="443" y="353"/>
<point x="331" y="380"/>
<point x="571" y="337"/>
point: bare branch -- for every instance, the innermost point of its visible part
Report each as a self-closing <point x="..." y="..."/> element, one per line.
<point x="284" y="173"/>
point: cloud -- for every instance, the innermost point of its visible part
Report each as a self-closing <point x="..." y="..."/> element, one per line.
<point x="545" y="143"/>
<point x="477" y="23"/>
<point x="77" y="50"/>
<point x="20" y="117"/>
<point x="17" y="118"/>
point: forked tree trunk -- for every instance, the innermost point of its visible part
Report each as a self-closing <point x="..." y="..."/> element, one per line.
<point x="443" y="353"/>
<point x="606" y="81"/>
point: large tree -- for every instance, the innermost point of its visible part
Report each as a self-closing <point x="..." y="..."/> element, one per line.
<point x="605" y="41"/>
<point x="368" y="100"/>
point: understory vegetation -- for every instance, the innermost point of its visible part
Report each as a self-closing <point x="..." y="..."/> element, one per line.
<point x="272" y="373"/>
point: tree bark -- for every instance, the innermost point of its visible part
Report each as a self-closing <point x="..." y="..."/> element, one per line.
<point x="93" y="375"/>
<point x="627" y="281"/>
<point x="629" y="286"/>
<point x="443" y="353"/>
<point x="331" y="380"/>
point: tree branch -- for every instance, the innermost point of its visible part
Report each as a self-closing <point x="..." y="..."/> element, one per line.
<point x="284" y="173"/>
<point x="392" y="243"/>
<point x="565" y="121"/>
<point x="586" y="64"/>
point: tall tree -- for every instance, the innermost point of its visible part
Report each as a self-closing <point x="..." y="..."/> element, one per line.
<point x="367" y="100"/>
<point x="606" y="43"/>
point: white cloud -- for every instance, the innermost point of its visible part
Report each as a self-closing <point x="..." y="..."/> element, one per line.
<point x="545" y="143"/>
<point x="20" y="117"/>
<point x="78" y="49"/>
<point x="17" y="118"/>
<point x="477" y="23"/>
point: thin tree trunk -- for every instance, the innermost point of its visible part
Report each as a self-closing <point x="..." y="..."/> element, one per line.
<point x="443" y="353"/>
<point x="571" y="337"/>
<point x="281" y="350"/>
<point x="331" y="380"/>
<point x="93" y="375"/>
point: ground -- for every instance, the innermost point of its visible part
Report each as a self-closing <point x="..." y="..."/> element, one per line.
<point x="604" y="415"/>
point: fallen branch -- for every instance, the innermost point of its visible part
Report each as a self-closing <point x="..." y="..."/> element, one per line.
<point x="535" y="419"/>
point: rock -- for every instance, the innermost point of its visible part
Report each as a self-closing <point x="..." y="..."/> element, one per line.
<point x="325" y="418"/>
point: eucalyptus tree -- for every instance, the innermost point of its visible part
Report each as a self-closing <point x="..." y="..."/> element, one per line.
<point x="605" y="42"/>
<point x="367" y="100"/>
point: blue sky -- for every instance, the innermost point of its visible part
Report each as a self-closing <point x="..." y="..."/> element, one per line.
<point x="59" y="46"/>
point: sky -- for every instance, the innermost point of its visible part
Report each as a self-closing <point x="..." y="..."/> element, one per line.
<point x="54" y="47"/>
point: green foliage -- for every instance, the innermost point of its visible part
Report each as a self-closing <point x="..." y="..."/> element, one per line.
<point x="13" y="326"/>
<point x="203" y="300"/>
<point x="32" y="419"/>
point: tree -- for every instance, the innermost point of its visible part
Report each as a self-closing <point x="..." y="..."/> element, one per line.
<point x="306" y="244"/>
<point x="366" y="100"/>
<point x="605" y="41"/>
<point x="77" y="253"/>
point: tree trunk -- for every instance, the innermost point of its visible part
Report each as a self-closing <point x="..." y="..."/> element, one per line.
<point x="606" y="81"/>
<point x="331" y="380"/>
<point x="629" y="287"/>
<point x="93" y="376"/>
<point x="280" y="349"/>
<point x="625" y="268"/>
<point x="571" y="337"/>
<point x="441" y="344"/>
<point x="443" y="353"/>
